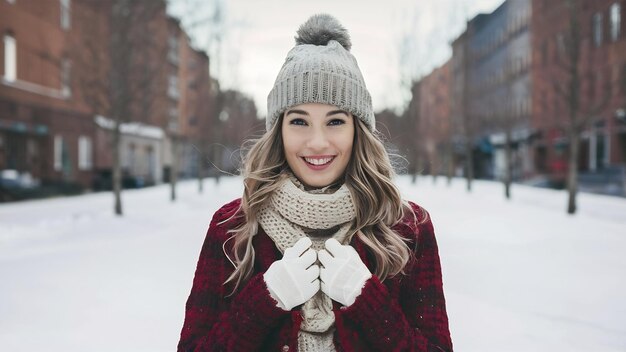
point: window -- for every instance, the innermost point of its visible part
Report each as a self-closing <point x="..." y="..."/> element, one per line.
<point x="592" y="87"/>
<point x="173" y="119"/>
<point x="172" y="53"/>
<point x="58" y="153"/>
<point x="173" y="112"/>
<point x="65" y="14"/>
<point x="151" y="161"/>
<point x="84" y="153"/>
<point x="66" y="78"/>
<point x="172" y="89"/>
<point x="10" y="60"/>
<point x="616" y="19"/>
<point x="560" y="45"/>
<point x="172" y="126"/>
<point x="597" y="29"/>
<point x="622" y="80"/>
<point x="132" y="157"/>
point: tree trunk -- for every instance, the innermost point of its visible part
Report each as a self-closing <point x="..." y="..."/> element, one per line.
<point x="434" y="169"/>
<point x="217" y="162"/>
<point x="200" y="179"/>
<point x="174" y="169"/>
<point x="450" y="163"/>
<point x="200" y="171"/>
<point x="117" y="169"/>
<point x="507" y="164"/>
<point x="416" y="167"/>
<point x="572" y="172"/>
<point x="469" y="165"/>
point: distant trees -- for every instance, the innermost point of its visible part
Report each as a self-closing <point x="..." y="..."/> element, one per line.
<point x="212" y="25"/>
<point x="237" y="123"/>
<point x="466" y="121"/>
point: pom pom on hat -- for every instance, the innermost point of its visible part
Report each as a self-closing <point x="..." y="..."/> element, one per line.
<point x="322" y="28"/>
<point x="321" y="69"/>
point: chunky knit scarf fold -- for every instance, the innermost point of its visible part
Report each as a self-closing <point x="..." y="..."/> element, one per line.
<point x="293" y="213"/>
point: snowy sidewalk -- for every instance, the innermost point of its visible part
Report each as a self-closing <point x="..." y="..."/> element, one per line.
<point x="518" y="275"/>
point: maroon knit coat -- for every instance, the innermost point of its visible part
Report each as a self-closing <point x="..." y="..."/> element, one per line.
<point x="405" y="313"/>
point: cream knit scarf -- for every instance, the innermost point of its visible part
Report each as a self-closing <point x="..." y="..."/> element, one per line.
<point x="293" y="213"/>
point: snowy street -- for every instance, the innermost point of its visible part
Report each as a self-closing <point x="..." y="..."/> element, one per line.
<point x="519" y="275"/>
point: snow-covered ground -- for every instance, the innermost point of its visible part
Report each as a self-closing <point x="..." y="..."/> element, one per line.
<point x="519" y="275"/>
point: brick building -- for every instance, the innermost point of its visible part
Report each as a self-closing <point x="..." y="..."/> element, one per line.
<point x="434" y="120"/>
<point x="491" y="90"/>
<point x="45" y="129"/>
<point x="56" y="69"/>
<point x="119" y="55"/>
<point x="601" y="72"/>
<point x="500" y="88"/>
<point x="461" y="129"/>
<point x="190" y="74"/>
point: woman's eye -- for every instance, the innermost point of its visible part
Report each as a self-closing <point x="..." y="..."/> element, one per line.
<point x="336" y="122"/>
<point x="298" y="122"/>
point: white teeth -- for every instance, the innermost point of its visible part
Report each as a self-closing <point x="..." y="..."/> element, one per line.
<point x="318" y="161"/>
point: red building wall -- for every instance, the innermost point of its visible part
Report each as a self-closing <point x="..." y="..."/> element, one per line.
<point x="434" y="117"/>
<point x="602" y="70"/>
<point x="36" y="108"/>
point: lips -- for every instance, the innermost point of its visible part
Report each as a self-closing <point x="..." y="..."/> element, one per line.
<point x="318" y="163"/>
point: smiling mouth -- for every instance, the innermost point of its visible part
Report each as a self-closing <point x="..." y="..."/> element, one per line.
<point x="318" y="161"/>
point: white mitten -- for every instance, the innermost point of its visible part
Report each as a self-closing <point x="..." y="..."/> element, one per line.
<point x="294" y="279"/>
<point x="343" y="273"/>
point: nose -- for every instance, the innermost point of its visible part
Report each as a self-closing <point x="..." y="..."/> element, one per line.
<point x="318" y="140"/>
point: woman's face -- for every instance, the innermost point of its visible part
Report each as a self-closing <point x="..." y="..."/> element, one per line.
<point x="317" y="140"/>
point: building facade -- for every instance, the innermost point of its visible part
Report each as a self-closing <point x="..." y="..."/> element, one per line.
<point x="45" y="129"/>
<point x="491" y="93"/>
<point x="499" y="89"/>
<point x="597" y="49"/>
<point x="57" y="74"/>
<point x="434" y="120"/>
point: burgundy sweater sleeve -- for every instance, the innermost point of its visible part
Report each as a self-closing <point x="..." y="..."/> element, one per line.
<point x="214" y="322"/>
<point x="417" y="320"/>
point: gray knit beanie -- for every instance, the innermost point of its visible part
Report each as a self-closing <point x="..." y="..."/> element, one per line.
<point x="321" y="69"/>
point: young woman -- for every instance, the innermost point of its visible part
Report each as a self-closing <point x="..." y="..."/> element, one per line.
<point x="320" y="253"/>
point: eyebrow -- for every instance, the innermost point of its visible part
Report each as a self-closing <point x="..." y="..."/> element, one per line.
<point x="302" y="112"/>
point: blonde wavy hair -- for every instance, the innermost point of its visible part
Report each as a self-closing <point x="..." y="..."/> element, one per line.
<point x="368" y="176"/>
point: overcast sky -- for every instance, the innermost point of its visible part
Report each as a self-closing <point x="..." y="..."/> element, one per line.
<point x="258" y="35"/>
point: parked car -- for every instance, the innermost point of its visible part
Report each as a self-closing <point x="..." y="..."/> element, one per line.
<point x="15" y="185"/>
<point x="610" y="180"/>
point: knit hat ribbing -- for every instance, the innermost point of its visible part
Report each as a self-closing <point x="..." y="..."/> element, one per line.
<point x="321" y="69"/>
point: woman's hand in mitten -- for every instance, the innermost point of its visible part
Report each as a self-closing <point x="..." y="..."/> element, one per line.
<point x="294" y="279"/>
<point x="343" y="273"/>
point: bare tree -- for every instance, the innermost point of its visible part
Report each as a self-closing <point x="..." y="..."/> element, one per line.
<point x="412" y="56"/>
<point x="567" y="81"/>
<point x="202" y="114"/>
<point x="115" y="57"/>
<point x="412" y="123"/>
<point x="468" y="118"/>
<point x="218" y="116"/>
<point x="511" y="119"/>
<point x="174" y="167"/>
<point x="211" y="25"/>
<point x="504" y="120"/>
<point x="508" y="122"/>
